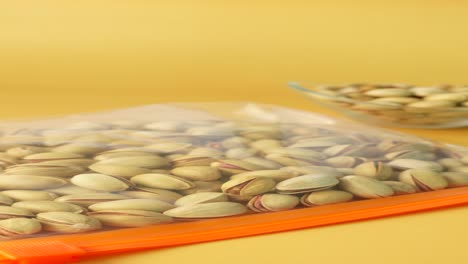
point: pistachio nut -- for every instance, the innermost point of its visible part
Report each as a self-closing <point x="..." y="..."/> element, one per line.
<point x="130" y="218"/>
<point x="44" y="170"/>
<point x="365" y="187"/>
<point x="207" y="210"/>
<point x="263" y="163"/>
<point x="149" y="162"/>
<point x="272" y="202"/>
<point x="153" y="205"/>
<point x="248" y="186"/>
<point x="87" y="199"/>
<point x="325" y="197"/>
<point x="202" y="197"/>
<point x="29" y="182"/>
<point x="26" y="195"/>
<point x="424" y="179"/>
<point x="5" y="199"/>
<point x="197" y="173"/>
<point x="374" y="169"/>
<point x="48" y="206"/>
<point x="118" y="170"/>
<point x="12" y="212"/>
<point x="456" y="179"/>
<point x="234" y="166"/>
<point x="13" y="227"/>
<point x="162" y="181"/>
<point x="401" y="187"/>
<point x="66" y="222"/>
<point x="101" y="182"/>
<point x="404" y="164"/>
<point x="306" y="183"/>
<point x="277" y="175"/>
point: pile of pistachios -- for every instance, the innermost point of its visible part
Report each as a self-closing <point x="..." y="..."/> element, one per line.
<point x="402" y="103"/>
<point x="89" y="176"/>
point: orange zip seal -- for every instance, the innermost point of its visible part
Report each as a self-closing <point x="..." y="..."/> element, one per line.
<point x="69" y="248"/>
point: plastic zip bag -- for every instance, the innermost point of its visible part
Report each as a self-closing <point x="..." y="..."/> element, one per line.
<point x="173" y="174"/>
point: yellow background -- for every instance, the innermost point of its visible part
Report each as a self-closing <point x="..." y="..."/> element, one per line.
<point x="61" y="57"/>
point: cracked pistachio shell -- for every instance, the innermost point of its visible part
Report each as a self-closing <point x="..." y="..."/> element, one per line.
<point x="48" y="206"/>
<point x="263" y="163"/>
<point x="234" y="166"/>
<point x="404" y="164"/>
<point x="170" y="147"/>
<point x="101" y="182"/>
<point x="240" y="153"/>
<point x="248" y="186"/>
<point x="19" y="226"/>
<point x="26" y="195"/>
<point x="44" y="170"/>
<point x="23" y="151"/>
<point x="5" y="199"/>
<point x="69" y="189"/>
<point x="456" y="179"/>
<point x="325" y="197"/>
<point x="202" y="197"/>
<point x="118" y="170"/>
<point x="87" y="199"/>
<point x="149" y="162"/>
<point x="424" y="179"/>
<point x="162" y="181"/>
<point x="272" y="202"/>
<point x="277" y="175"/>
<point x="207" y="210"/>
<point x="374" y="169"/>
<point x="12" y="212"/>
<point x="306" y="183"/>
<point x="365" y="187"/>
<point x="204" y="186"/>
<point x="29" y="182"/>
<point x="344" y="161"/>
<point x="265" y="145"/>
<point x="450" y="163"/>
<point x="130" y="218"/>
<point x="401" y="187"/>
<point x="123" y="154"/>
<point x="80" y="148"/>
<point x="66" y="222"/>
<point x="197" y="173"/>
<point x="206" y="152"/>
<point x="187" y="160"/>
<point x="290" y="161"/>
<point x="153" y="205"/>
<point x="45" y="156"/>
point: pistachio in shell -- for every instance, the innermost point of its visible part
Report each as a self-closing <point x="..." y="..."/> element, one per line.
<point x="277" y="175"/>
<point x="13" y="227"/>
<point x="325" y="197"/>
<point x="130" y="218"/>
<point x="29" y="182"/>
<point x="48" y="206"/>
<point x="231" y="167"/>
<point x="118" y="170"/>
<point x="401" y="187"/>
<point x="207" y="210"/>
<point x="12" y="212"/>
<point x="101" y="182"/>
<point x="424" y="179"/>
<point x="87" y="199"/>
<point x="197" y="173"/>
<point x="456" y="179"/>
<point x="404" y="164"/>
<point x="248" y="186"/>
<point x="153" y="205"/>
<point x="66" y="222"/>
<point x="272" y="202"/>
<point x="306" y="183"/>
<point x="365" y="187"/>
<point x="162" y="181"/>
<point x="374" y="169"/>
<point x="202" y="197"/>
<point x="149" y="162"/>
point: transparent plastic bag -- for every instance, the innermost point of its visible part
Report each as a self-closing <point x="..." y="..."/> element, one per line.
<point x="172" y="174"/>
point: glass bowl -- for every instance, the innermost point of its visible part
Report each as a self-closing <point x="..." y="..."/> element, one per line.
<point x="355" y="101"/>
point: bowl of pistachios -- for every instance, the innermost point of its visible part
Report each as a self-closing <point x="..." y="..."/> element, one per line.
<point x="402" y="105"/>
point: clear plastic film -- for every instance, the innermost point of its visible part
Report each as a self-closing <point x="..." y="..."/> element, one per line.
<point x="173" y="174"/>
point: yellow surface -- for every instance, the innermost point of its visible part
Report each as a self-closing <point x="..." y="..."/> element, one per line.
<point x="61" y="57"/>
